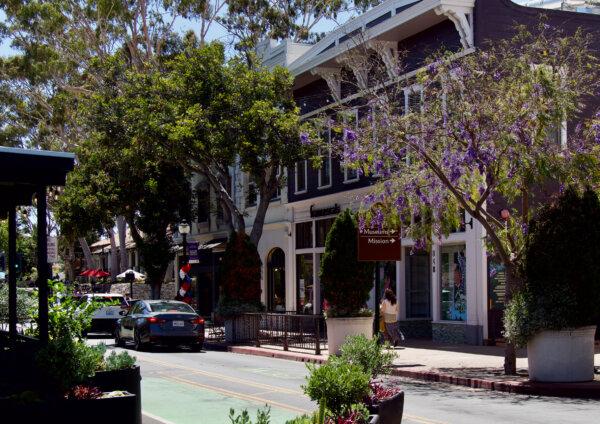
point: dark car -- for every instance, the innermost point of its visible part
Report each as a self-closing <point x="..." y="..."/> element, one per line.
<point x="166" y="322"/>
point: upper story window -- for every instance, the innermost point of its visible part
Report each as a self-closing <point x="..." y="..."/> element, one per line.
<point x="413" y="99"/>
<point x="325" y="169"/>
<point x="252" y="193"/>
<point x="277" y="194"/>
<point x="203" y="199"/>
<point x="301" y="176"/>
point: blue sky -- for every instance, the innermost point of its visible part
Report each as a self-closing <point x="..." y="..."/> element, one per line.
<point x="216" y="31"/>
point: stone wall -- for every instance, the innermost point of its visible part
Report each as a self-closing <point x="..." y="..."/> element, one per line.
<point x="457" y="333"/>
<point x="142" y="290"/>
<point x="416" y="329"/>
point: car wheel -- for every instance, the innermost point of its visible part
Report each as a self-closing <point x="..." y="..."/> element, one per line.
<point x="138" y="345"/>
<point x="119" y="342"/>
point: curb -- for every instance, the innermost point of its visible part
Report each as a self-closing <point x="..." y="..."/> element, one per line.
<point x="290" y="356"/>
<point x="567" y="390"/>
<point x="573" y="390"/>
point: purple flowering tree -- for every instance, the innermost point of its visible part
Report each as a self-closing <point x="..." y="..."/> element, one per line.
<point x="481" y="133"/>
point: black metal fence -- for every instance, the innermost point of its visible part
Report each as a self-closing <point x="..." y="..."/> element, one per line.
<point x="288" y="330"/>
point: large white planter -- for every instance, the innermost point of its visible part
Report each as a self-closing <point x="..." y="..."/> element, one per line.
<point x="565" y="356"/>
<point x="340" y="328"/>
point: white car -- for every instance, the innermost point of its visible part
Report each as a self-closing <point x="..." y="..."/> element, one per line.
<point x="105" y="318"/>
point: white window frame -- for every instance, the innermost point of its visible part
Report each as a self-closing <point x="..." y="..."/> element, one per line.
<point x="249" y="183"/>
<point x="305" y="189"/>
<point x="322" y="186"/>
<point x="412" y="89"/>
<point x="278" y="192"/>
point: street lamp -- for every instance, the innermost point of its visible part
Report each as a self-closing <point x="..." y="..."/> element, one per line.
<point x="184" y="230"/>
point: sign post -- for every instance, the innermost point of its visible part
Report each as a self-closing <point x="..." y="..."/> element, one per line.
<point x="378" y="245"/>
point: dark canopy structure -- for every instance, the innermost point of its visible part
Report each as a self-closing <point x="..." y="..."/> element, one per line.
<point x="23" y="174"/>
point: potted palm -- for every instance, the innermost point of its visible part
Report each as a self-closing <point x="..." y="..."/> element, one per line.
<point x="556" y="311"/>
<point x="346" y="284"/>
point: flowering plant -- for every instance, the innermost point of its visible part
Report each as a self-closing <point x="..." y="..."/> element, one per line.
<point x="379" y="393"/>
<point x="480" y="133"/>
<point x="81" y="392"/>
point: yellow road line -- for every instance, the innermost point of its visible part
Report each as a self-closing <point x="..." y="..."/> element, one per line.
<point x="239" y="395"/>
<point x="267" y="387"/>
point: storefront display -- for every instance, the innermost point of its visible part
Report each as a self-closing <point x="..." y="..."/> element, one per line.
<point x="453" y="283"/>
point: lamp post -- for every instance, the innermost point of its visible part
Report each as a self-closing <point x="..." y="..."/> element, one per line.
<point x="184" y="230"/>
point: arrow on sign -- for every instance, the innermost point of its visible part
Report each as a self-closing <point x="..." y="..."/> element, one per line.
<point x="392" y="241"/>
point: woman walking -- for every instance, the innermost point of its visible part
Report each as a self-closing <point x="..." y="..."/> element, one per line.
<point x="389" y="309"/>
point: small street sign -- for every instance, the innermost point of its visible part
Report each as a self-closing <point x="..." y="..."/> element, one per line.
<point x="192" y="249"/>
<point x="52" y="252"/>
<point x="379" y="245"/>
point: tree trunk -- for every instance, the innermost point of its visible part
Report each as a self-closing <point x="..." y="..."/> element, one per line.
<point x="267" y="189"/>
<point x="114" y="265"/>
<point x="122" y="228"/>
<point x="87" y="253"/>
<point x="512" y="284"/>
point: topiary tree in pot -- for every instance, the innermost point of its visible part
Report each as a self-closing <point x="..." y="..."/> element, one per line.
<point x="240" y="288"/>
<point x="556" y="312"/>
<point x="346" y="284"/>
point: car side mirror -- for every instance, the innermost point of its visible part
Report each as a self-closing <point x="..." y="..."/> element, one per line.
<point x="122" y="313"/>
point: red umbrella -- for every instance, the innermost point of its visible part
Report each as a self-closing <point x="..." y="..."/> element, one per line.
<point x="87" y="273"/>
<point x="100" y="274"/>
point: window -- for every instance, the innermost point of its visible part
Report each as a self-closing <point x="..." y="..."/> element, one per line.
<point x="203" y="198"/>
<point x="453" y="283"/>
<point x="304" y="235"/>
<point x="413" y="98"/>
<point x="322" y="228"/>
<point x="277" y="194"/>
<point x="252" y="193"/>
<point x="304" y="283"/>
<point x="325" y="169"/>
<point x="301" y="176"/>
<point x="351" y="175"/>
<point x="171" y="307"/>
<point x="557" y="134"/>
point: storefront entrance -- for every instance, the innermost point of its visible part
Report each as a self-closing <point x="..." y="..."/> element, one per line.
<point x="276" y="281"/>
<point x="496" y="289"/>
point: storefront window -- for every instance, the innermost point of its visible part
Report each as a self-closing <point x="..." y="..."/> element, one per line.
<point x="417" y="285"/>
<point x="453" y="283"/>
<point x="304" y="283"/>
<point x="304" y="235"/>
<point x="322" y="228"/>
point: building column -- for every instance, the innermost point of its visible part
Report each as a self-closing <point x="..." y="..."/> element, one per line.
<point x="42" y="265"/>
<point x="435" y="281"/>
<point x="401" y="286"/>
<point x="12" y="276"/>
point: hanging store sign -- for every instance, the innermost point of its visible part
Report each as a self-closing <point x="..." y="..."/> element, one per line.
<point x="52" y="250"/>
<point x="193" y="253"/>
<point x="379" y="245"/>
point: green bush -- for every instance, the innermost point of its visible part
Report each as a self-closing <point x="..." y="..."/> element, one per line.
<point x="67" y="362"/>
<point x="372" y="357"/>
<point x="27" y="304"/>
<point x="337" y="385"/>
<point x="119" y="361"/>
<point x="346" y="281"/>
<point x="562" y="269"/>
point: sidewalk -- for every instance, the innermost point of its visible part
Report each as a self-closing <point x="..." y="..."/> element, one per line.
<point x="471" y="366"/>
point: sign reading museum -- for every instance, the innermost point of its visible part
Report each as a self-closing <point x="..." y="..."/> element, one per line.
<point x="379" y="245"/>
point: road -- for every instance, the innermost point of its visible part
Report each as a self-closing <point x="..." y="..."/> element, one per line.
<point x="182" y="387"/>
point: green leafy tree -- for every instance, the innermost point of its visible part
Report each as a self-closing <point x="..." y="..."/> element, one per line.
<point x="346" y="281"/>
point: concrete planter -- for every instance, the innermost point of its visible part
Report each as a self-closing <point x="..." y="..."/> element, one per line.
<point x="389" y="410"/>
<point x="340" y="328"/>
<point x="243" y="328"/>
<point x="565" y="356"/>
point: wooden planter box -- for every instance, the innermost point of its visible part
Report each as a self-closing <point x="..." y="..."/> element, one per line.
<point x="390" y="410"/>
<point x="128" y="379"/>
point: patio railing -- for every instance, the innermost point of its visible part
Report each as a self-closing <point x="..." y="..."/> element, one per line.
<point x="287" y="330"/>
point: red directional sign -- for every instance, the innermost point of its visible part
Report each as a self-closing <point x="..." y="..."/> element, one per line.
<point x="379" y="245"/>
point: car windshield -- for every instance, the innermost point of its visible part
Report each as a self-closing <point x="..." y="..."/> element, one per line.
<point x="170" y="307"/>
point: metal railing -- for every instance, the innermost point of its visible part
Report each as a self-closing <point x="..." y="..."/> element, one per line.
<point x="287" y="330"/>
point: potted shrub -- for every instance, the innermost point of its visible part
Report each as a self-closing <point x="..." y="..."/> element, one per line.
<point x="375" y="359"/>
<point x="240" y="284"/>
<point x="339" y="389"/>
<point x="556" y="311"/>
<point x="346" y="284"/>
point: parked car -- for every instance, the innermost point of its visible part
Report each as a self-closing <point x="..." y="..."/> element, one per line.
<point x="106" y="317"/>
<point x="167" y="322"/>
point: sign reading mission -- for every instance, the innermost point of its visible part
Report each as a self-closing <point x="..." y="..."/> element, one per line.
<point x="379" y="245"/>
